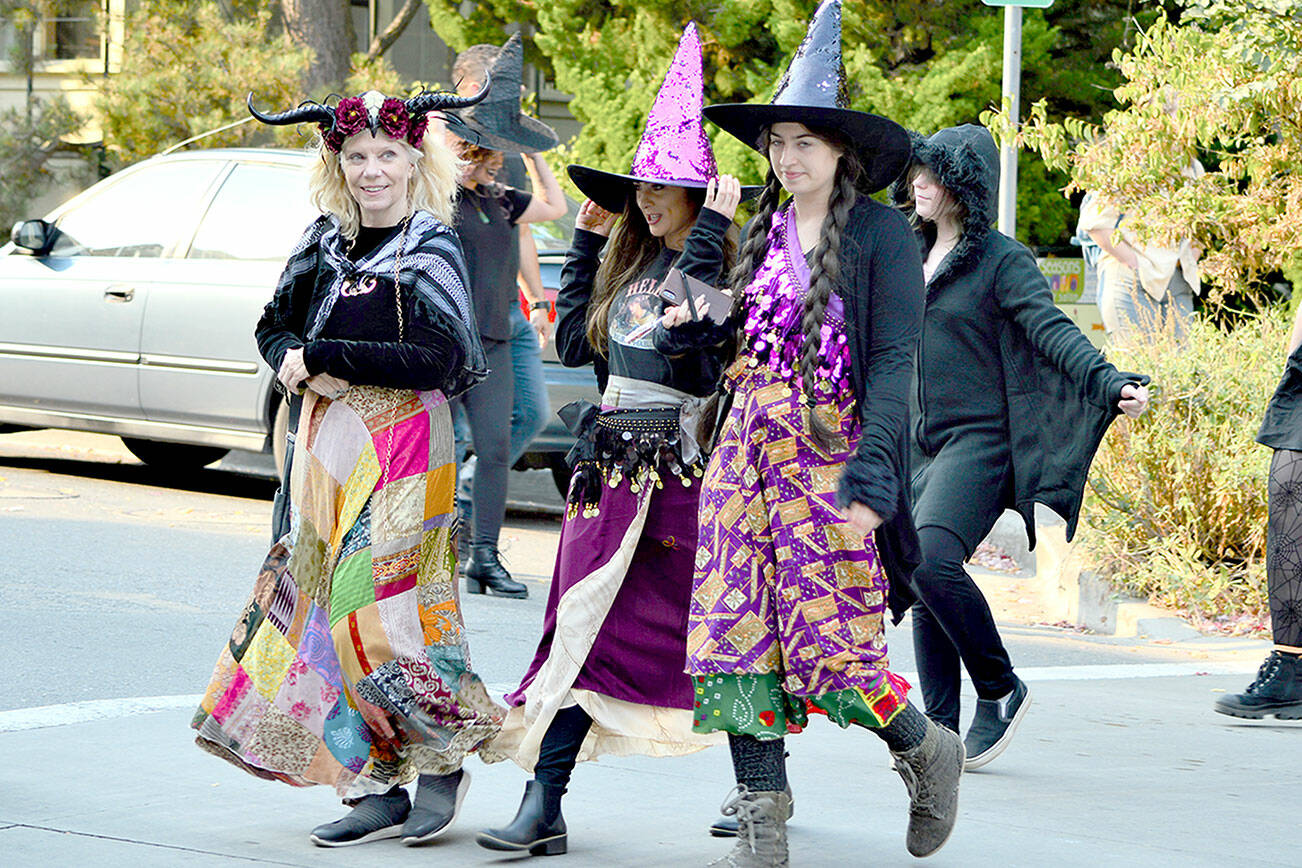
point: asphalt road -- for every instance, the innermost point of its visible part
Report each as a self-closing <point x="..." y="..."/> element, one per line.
<point x="118" y="585"/>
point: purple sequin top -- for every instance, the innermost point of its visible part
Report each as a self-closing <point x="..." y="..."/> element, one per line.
<point x="775" y="301"/>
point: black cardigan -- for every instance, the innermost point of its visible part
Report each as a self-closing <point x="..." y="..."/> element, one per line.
<point x="881" y="287"/>
<point x="701" y="257"/>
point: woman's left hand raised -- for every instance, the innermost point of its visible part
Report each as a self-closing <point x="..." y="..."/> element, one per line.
<point x="862" y="519"/>
<point x="723" y="194"/>
<point x="1134" y="400"/>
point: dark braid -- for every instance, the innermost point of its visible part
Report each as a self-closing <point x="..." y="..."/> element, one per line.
<point x="755" y="247"/>
<point x="824" y="275"/>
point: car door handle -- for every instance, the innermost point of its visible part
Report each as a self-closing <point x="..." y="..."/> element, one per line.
<point x="119" y="294"/>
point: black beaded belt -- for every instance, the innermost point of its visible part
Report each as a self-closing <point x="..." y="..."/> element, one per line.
<point x="641" y="445"/>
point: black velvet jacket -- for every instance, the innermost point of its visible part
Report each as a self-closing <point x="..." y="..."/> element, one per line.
<point x="991" y="319"/>
<point x="440" y="348"/>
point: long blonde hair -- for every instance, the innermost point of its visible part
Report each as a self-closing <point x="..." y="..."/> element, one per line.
<point x="432" y="188"/>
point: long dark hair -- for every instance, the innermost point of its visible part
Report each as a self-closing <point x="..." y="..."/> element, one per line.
<point x="631" y="250"/>
<point x="824" y="271"/>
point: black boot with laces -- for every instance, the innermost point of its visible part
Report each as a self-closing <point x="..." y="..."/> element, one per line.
<point x="1276" y="690"/>
<point x="485" y="574"/>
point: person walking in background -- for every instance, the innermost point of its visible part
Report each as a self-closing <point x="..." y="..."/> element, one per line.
<point x="1011" y="401"/>
<point x="349" y="666"/>
<point x="488" y="214"/>
<point x="805" y="526"/>
<point x="608" y="673"/>
<point x="529" y="407"/>
<point x="1142" y="288"/>
<point x="1277" y="689"/>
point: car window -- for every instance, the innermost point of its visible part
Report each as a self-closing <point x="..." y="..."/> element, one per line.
<point x="259" y="212"/>
<point x="138" y="215"/>
<point x="555" y="235"/>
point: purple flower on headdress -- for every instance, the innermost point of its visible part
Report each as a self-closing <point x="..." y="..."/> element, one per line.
<point x="350" y="116"/>
<point x="416" y="131"/>
<point x="393" y="118"/>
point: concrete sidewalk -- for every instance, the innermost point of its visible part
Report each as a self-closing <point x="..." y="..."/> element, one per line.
<point x="1126" y="771"/>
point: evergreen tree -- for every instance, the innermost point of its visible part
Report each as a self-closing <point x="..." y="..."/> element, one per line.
<point x="924" y="63"/>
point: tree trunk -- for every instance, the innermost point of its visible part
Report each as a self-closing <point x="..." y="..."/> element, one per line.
<point x="325" y="27"/>
<point x="384" y="40"/>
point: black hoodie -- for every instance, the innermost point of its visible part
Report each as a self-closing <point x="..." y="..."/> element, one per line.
<point x="996" y="351"/>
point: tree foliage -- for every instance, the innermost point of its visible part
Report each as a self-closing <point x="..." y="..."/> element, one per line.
<point x="925" y="63"/>
<point x="1221" y="86"/>
<point x="186" y="69"/>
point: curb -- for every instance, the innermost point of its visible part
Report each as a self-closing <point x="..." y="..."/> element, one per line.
<point x="1081" y="597"/>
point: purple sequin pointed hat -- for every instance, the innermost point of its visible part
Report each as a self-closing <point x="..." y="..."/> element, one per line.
<point x="674" y="148"/>
<point x="814" y="92"/>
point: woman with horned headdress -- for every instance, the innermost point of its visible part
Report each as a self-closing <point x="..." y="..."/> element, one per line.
<point x="805" y="532"/>
<point x="607" y="677"/>
<point x="349" y="666"/>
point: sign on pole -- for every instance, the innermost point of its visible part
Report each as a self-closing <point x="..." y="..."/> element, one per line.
<point x="1012" y="99"/>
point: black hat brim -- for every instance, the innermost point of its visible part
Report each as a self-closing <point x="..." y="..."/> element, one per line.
<point x="611" y="190"/>
<point x="521" y="135"/>
<point x="882" y="144"/>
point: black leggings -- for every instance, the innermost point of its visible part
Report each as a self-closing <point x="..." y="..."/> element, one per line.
<point x="488" y="410"/>
<point x="560" y="747"/>
<point x="952" y="623"/>
<point x="1284" y="547"/>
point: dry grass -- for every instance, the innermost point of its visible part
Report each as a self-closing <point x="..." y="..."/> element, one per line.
<point x="1177" y="499"/>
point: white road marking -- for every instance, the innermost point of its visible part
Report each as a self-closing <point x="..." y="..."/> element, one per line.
<point x="70" y="713"/>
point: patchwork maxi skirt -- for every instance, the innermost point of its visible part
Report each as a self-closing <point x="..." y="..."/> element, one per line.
<point x="615" y="626"/>
<point x="349" y="665"/>
<point x="788" y="602"/>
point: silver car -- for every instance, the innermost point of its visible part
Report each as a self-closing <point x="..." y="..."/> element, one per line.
<point x="130" y="309"/>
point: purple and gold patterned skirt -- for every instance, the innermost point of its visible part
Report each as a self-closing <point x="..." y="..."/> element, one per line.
<point x="788" y="601"/>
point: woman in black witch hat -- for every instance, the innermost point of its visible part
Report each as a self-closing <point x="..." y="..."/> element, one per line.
<point x="805" y="527"/>
<point x="1012" y="401"/>
<point x="349" y="665"/>
<point x="487" y="214"/>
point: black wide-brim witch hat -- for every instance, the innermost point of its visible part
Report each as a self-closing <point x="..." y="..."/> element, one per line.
<point x="497" y="123"/>
<point x="813" y="92"/>
<point x="674" y="149"/>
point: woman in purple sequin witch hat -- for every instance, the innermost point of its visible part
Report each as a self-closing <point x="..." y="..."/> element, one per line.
<point x="608" y="676"/>
<point x="805" y="532"/>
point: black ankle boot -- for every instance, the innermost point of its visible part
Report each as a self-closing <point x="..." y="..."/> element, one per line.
<point x="1277" y="690"/>
<point x="538" y="826"/>
<point x="485" y="573"/>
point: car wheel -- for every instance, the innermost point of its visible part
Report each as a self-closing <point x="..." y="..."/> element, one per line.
<point x="560" y="469"/>
<point x="280" y="436"/>
<point x="173" y="456"/>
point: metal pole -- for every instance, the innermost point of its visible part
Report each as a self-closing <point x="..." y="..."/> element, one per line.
<point x="1012" y="98"/>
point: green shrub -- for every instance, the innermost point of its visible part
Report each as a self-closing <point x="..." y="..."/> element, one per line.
<point x="1176" y="504"/>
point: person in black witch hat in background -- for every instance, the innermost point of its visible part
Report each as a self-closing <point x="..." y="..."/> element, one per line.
<point x="1011" y="403"/>
<point x="487" y="216"/>
<point x="805" y="531"/>
<point x="529" y="334"/>
<point x="1277" y="689"/>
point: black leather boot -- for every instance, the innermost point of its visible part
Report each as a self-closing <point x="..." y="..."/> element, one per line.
<point x="538" y="826"/>
<point x="1276" y="690"/>
<point x="435" y="808"/>
<point x="485" y="574"/>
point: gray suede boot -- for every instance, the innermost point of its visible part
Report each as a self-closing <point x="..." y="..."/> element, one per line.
<point x="761" y="829"/>
<point x="931" y="772"/>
